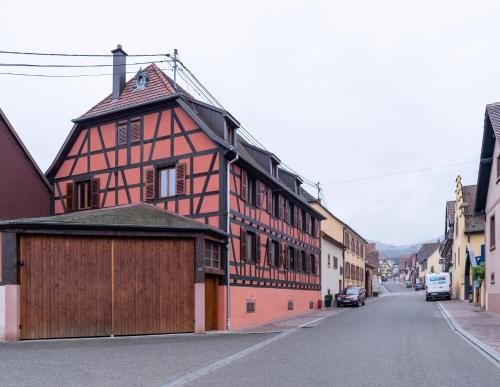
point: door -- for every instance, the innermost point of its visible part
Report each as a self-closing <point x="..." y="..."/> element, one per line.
<point x="153" y="286"/>
<point x="90" y="286"/>
<point x="210" y="303"/>
<point x="65" y="286"/>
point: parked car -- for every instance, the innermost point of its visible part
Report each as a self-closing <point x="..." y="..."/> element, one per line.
<point x="420" y="286"/>
<point x="352" y="295"/>
<point x="437" y="285"/>
<point x="409" y="284"/>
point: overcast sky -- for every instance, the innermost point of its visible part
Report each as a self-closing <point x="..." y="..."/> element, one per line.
<point x="337" y="89"/>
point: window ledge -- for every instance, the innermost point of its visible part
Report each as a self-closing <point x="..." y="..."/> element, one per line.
<point x="492" y="248"/>
<point x="213" y="270"/>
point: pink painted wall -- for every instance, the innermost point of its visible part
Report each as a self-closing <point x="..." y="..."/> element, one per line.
<point x="270" y="304"/>
<point x="493" y="255"/>
<point x="9" y="312"/>
<point x="199" y="308"/>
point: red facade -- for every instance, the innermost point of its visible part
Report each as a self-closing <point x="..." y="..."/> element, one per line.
<point x="24" y="192"/>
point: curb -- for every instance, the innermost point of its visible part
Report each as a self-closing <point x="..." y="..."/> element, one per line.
<point x="487" y="350"/>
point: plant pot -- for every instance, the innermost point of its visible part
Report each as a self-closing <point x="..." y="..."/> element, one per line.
<point x="328" y="302"/>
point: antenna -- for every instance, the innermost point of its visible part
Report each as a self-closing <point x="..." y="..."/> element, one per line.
<point x="175" y="68"/>
<point x="319" y="190"/>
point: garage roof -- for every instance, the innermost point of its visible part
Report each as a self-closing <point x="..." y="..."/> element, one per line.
<point x="140" y="215"/>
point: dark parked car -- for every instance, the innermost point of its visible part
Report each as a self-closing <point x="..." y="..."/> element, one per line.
<point x="352" y="296"/>
<point x="420" y="286"/>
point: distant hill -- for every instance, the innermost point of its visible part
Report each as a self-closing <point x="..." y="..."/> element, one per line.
<point x="393" y="252"/>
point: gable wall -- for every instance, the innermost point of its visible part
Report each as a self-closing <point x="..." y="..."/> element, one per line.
<point x="168" y="136"/>
<point x="23" y="193"/>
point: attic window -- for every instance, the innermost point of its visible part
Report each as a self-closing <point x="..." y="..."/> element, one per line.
<point x="274" y="169"/>
<point x="140" y="80"/>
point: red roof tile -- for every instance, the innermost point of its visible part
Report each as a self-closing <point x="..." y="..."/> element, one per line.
<point x="159" y="86"/>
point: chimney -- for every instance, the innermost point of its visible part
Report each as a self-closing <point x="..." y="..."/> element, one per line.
<point x="119" y="70"/>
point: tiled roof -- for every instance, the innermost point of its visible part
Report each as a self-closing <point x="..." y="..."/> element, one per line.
<point x="450" y="211"/>
<point x="469" y="195"/>
<point x="474" y="223"/>
<point x="493" y="110"/>
<point x="158" y="87"/>
<point x="136" y="215"/>
<point x="426" y="250"/>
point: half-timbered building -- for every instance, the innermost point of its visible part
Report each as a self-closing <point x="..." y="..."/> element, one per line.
<point x="150" y="141"/>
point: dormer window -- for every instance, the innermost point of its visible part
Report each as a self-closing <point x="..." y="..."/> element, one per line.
<point x="141" y="79"/>
<point x="230" y="136"/>
<point x="274" y="169"/>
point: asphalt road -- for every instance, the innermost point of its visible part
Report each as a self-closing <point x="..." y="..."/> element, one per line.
<point x="399" y="340"/>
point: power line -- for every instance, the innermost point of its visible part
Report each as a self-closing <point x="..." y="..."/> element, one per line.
<point x="74" y="66"/>
<point x="76" y="55"/>
<point x="68" y="75"/>
<point x="401" y="172"/>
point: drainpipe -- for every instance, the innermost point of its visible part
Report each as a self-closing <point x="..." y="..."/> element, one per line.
<point x="228" y="244"/>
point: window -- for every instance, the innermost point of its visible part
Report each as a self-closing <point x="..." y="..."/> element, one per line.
<point x="83" y="195"/>
<point x="313" y="264"/>
<point x="304" y="221"/>
<point x="121" y="133"/>
<point x="250" y="306"/>
<point x="304" y="261"/>
<point x="288" y="212"/>
<point x="329" y="260"/>
<point x="291" y="257"/>
<point x="274" y="169"/>
<point x="212" y="254"/>
<point x="230" y="136"/>
<point x="251" y="246"/>
<point x="492" y="232"/>
<point x="275" y="253"/>
<point x="167" y="180"/>
<point x="335" y="262"/>
<point x="252" y="191"/>
<point x="276" y="205"/>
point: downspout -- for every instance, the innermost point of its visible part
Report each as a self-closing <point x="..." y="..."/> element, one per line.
<point x="228" y="243"/>
<point x="343" y="259"/>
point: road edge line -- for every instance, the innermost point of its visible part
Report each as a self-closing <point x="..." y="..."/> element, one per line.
<point x="483" y="348"/>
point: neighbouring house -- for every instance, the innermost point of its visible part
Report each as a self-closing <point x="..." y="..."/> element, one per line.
<point x="447" y="245"/>
<point x="468" y="240"/>
<point x="386" y="268"/>
<point x="332" y="251"/>
<point x="354" y="258"/>
<point x="25" y="193"/>
<point x="246" y="249"/>
<point x="428" y="260"/>
<point x="488" y="202"/>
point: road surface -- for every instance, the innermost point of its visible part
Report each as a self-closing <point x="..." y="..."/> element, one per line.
<point x="396" y="340"/>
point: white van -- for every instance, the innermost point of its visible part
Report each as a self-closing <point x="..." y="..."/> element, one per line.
<point x="437" y="285"/>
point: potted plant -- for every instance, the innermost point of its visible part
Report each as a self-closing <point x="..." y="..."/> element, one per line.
<point x="328" y="300"/>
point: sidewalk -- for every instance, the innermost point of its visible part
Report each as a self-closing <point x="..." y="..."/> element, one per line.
<point x="298" y="321"/>
<point x="294" y="322"/>
<point x="482" y="325"/>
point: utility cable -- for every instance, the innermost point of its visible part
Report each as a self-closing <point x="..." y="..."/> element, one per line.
<point x="76" y="55"/>
<point x="74" y="66"/>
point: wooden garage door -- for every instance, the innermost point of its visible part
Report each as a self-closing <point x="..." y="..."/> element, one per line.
<point x="153" y="286"/>
<point x="87" y="286"/>
<point x="65" y="289"/>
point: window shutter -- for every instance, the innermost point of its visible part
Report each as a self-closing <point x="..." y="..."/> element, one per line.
<point x="295" y="216"/>
<point x="243" y="244"/>
<point x="282" y="207"/>
<point x="257" y="248"/>
<point x="296" y="260"/>
<point x="95" y="193"/>
<point x="180" y="174"/>
<point x="70" y="203"/>
<point x="135" y="127"/>
<point x="287" y="210"/>
<point x="150" y="183"/>
<point x="122" y="134"/>
<point x="299" y="219"/>
<point x="269" y="200"/>
<point x="258" y="199"/>
<point x="244" y="185"/>
<point x="308" y="263"/>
